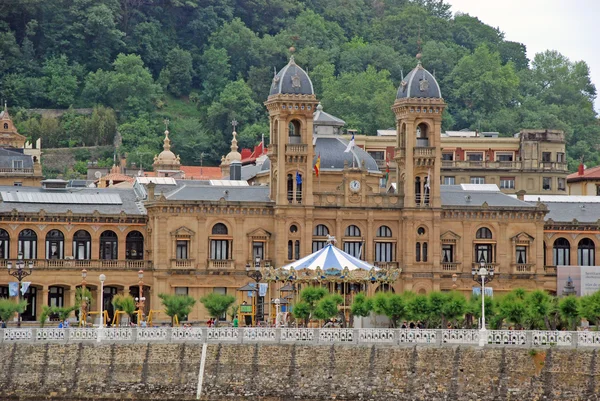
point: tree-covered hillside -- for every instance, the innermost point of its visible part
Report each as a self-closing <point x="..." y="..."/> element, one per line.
<point x="202" y="63"/>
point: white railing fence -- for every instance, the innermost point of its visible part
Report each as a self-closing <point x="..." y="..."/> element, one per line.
<point x="522" y="338"/>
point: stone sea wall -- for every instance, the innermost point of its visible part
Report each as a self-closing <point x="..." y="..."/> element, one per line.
<point x="278" y="372"/>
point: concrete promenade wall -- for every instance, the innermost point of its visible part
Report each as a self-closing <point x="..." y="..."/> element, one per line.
<point x="281" y="372"/>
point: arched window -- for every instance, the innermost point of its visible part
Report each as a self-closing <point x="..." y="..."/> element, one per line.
<point x="82" y="245"/>
<point x="384" y="231"/>
<point x="5" y="125"/>
<point x="299" y="181"/>
<point x="353" y="247"/>
<point x="220" y="248"/>
<point x="219" y="229"/>
<point x="484" y="233"/>
<point x="55" y="245"/>
<point x="561" y="252"/>
<point x="290" y="188"/>
<point x="109" y="245"/>
<point x="320" y="234"/>
<point x="422" y="135"/>
<point x="418" y="190"/>
<point x="4" y="244"/>
<point x="28" y="244"/>
<point x="294" y="132"/>
<point x="586" y="254"/>
<point x="134" y="245"/>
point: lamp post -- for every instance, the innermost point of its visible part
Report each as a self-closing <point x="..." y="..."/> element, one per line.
<point x="102" y="278"/>
<point x="256" y="275"/>
<point x="20" y="273"/>
<point x="141" y="300"/>
<point x="484" y="276"/>
<point x="454" y="278"/>
<point x="84" y="305"/>
<point x="277" y="302"/>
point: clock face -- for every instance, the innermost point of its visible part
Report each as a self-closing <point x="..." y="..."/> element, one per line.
<point x="354" y="186"/>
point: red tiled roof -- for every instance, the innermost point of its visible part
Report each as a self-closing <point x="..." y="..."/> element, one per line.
<point x="248" y="157"/>
<point x="592" y="173"/>
<point x="201" y="173"/>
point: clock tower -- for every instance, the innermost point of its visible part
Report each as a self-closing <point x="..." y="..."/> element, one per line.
<point x="418" y="109"/>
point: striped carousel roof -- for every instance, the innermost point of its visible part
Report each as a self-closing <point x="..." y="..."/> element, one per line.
<point x="328" y="258"/>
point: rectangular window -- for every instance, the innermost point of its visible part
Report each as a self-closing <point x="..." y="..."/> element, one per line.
<point x="447" y="253"/>
<point x="17" y="164"/>
<point x="418" y="252"/>
<point x="483" y="253"/>
<point x="474" y="157"/>
<point x="521" y="254"/>
<point x="377" y="154"/>
<point x="219" y="249"/>
<point x="182" y="249"/>
<point x="561" y="184"/>
<point x="448" y="180"/>
<point x="507" y="182"/>
<point x="448" y="156"/>
<point x="353" y="248"/>
<point x="17" y="184"/>
<point x="318" y="245"/>
<point x="547" y="183"/>
<point x="560" y="157"/>
<point x="384" y="252"/>
<point x="546" y="156"/>
<point x="477" y="180"/>
<point x="504" y="157"/>
<point x="258" y="250"/>
<point x="181" y="290"/>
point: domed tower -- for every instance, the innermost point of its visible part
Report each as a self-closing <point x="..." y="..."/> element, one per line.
<point x="291" y="104"/>
<point x="166" y="160"/>
<point x="418" y="109"/>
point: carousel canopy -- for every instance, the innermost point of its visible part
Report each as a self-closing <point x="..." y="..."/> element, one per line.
<point x="330" y="257"/>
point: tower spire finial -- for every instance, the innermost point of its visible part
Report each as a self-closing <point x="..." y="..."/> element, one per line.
<point x="419" y="42"/>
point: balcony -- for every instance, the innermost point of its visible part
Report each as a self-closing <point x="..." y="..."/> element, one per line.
<point x="89" y="264"/>
<point x="15" y="171"/>
<point x="183" y="264"/>
<point x="546" y="165"/>
<point x="550" y="270"/>
<point x="221" y="264"/>
<point x="523" y="267"/>
<point x="479" y="164"/>
<point x="386" y="265"/>
<point x="424" y="152"/>
<point x="450" y="266"/>
<point x="262" y="264"/>
<point x="296" y="148"/>
<point x="488" y="266"/>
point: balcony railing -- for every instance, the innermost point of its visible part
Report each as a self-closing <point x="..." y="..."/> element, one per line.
<point x="450" y="266"/>
<point x="16" y="171"/>
<point x="296" y="148"/>
<point x="183" y="264"/>
<point x="488" y="266"/>
<point x="550" y="270"/>
<point x="225" y="264"/>
<point x="424" y="151"/>
<point x="387" y="265"/>
<point x="523" y="267"/>
<point x="78" y="264"/>
<point x="262" y="263"/>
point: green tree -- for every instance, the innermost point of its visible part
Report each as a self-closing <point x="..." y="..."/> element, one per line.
<point x="61" y="81"/>
<point x="234" y="102"/>
<point x="391" y="305"/>
<point x="176" y="76"/>
<point x="8" y="308"/>
<point x="177" y="305"/>
<point x="309" y="298"/>
<point x="590" y="308"/>
<point x="361" y="306"/>
<point x="124" y="303"/>
<point x="538" y="309"/>
<point x="570" y="311"/>
<point x="454" y="307"/>
<point x="214" y="73"/>
<point x="327" y="307"/>
<point x="512" y="308"/>
<point x="217" y="304"/>
<point x="419" y="309"/>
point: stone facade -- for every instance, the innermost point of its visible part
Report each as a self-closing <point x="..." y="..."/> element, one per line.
<point x="285" y="372"/>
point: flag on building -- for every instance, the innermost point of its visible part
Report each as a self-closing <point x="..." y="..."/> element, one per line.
<point x="350" y="145"/>
<point x="318" y="165"/>
<point x="298" y="178"/>
<point x="25" y="286"/>
<point x="387" y="170"/>
<point x="13" y="289"/>
<point x="427" y="183"/>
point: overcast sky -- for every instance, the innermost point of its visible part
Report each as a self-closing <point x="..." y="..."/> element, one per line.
<point x="571" y="27"/>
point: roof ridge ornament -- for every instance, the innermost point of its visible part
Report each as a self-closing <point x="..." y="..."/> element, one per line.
<point x="331" y="240"/>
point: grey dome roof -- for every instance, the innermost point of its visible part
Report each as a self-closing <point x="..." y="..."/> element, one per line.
<point x="266" y="166"/>
<point x="419" y="83"/>
<point x="292" y="80"/>
<point x="333" y="155"/>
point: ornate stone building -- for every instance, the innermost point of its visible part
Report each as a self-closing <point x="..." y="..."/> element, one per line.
<point x="195" y="237"/>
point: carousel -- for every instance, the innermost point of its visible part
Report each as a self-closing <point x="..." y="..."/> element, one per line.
<point x="331" y="268"/>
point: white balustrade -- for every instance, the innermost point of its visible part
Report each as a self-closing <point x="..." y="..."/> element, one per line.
<point x="460" y="336"/>
<point x="562" y="338"/>
<point x="152" y="334"/>
<point x="419" y="336"/>
<point x="376" y="336"/>
<point x="49" y="334"/>
<point x="83" y="334"/>
<point x="260" y="334"/>
<point x="588" y="338"/>
<point x="299" y="335"/>
<point x="186" y="334"/>
<point x="222" y="334"/>
<point x="506" y="337"/>
<point x="117" y="334"/>
<point x="336" y="335"/>
<point x="18" y="334"/>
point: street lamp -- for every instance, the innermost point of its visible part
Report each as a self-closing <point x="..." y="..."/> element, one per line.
<point x="84" y="305"/>
<point x="20" y="273"/>
<point x="454" y="278"/>
<point x="256" y="275"/>
<point x="139" y="301"/>
<point x="277" y="305"/>
<point x="102" y="278"/>
<point x="484" y="276"/>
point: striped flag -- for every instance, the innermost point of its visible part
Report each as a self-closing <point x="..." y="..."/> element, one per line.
<point x="318" y="165"/>
<point x="350" y="145"/>
<point x="387" y="170"/>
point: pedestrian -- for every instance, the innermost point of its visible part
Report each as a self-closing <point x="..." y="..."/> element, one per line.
<point x="60" y="324"/>
<point x="236" y="322"/>
<point x="412" y="325"/>
<point x="2" y="324"/>
<point x="66" y="324"/>
<point x="404" y="325"/>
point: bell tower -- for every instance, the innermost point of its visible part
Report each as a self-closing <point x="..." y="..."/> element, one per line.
<point x="291" y="104"/>
<point x="418" y="109"/>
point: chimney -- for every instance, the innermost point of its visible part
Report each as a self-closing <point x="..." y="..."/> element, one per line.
<point x="521" y="195"/>
<point x="150" y="188"/>
<point x="580" y="169"/>
<point x="235" y="170"/>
